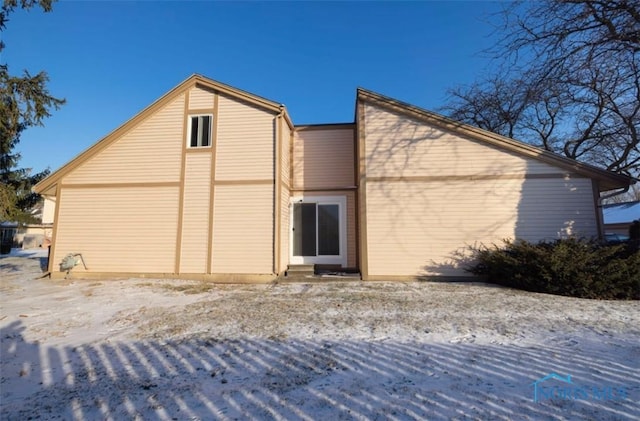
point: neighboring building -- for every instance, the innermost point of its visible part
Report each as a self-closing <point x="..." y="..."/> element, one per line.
<point x="216" y="183"/>
<point x="31" y="235"/>
<point x="618" y="217"/>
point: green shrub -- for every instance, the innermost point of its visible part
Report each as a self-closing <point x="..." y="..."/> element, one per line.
<point x="573" y="267"/>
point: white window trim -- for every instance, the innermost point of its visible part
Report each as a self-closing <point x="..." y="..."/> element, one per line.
<point x="188" y="139"/>
<point x="341" y="260"/>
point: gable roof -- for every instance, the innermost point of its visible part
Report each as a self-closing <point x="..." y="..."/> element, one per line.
<point x="607" y="180"/>
<point x="46" y="185"/>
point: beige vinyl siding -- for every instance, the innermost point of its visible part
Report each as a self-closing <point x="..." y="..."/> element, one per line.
<point x="129" y="229"/>
<point x="195" y="215"/>
<point x="285" y="228"/>
<point x="351" y="220"/>
<point x="417" y="228"/>
<point x="457" y="192"/>
<point x="323" y="158"/>
<point x="555" y="208"/>
<point x="285" y="193"/>
<point x="244" y="149"/>
<point x="201" y="99"/>
<point x="243" y="229"/>
<point x="403" y="146"/>
<point x="411" y="226"/>
<point x="285" y="155"/>
<point x="149" y="152"/>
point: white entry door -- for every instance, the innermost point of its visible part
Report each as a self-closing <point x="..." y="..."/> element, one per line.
<point x="319" y="230"/>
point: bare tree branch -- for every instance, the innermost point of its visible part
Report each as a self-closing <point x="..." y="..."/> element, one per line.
<point x="569" y="81"/>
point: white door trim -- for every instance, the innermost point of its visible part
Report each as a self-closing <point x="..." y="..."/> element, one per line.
<point x="341" y="201"/>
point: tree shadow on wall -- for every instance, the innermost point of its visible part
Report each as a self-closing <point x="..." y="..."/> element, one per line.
<point x="436" y="190"/>
<point x="434" y="198"/>
<point x="550" y="207"/>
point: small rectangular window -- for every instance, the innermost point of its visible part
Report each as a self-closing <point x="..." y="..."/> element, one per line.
<point x="200" y="131"/>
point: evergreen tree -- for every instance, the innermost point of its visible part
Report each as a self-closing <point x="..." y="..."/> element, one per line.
<point x="24" y="102"/>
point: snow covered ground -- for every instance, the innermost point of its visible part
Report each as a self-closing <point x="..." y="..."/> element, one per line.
<point x="158" y="349"/>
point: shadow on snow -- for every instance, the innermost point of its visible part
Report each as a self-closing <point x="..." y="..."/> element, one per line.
<point x="300" y="379"/>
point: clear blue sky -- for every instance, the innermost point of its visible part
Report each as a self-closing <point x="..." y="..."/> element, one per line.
<point x="111" y="59"/>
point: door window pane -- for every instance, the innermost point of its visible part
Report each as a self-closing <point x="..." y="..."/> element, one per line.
<point x="304" y="225"/>
<point x="328" y="230"/>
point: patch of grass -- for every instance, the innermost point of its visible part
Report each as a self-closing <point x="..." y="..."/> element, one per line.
<point x="145" y="284"/>
<point x="278" y="337"/>
<point x="198" y="288"/>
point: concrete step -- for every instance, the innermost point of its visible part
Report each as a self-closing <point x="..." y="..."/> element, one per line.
<point x="301" y="270"/>
<point x="317" y="273"/>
